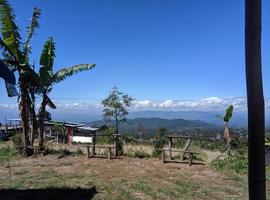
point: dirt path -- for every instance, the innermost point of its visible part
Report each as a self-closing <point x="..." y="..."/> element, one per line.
<point x="126" y="178"/>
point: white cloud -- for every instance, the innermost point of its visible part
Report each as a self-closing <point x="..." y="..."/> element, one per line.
<point x="210" y="103"/>
<point x="205" y="104"/>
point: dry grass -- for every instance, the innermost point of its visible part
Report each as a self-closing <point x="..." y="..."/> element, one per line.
<point x="126" y="178"/>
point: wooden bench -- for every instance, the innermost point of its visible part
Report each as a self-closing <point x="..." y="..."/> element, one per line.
<point x="190" y="155"/>
<point x="93" y="147"/>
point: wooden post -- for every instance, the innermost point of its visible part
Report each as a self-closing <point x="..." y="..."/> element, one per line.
<point x="255" y="100"/>
<point x="170" y="148"/>
<point x="88" y="152"/>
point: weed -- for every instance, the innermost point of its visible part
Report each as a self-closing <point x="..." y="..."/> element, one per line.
<point x="141" y="154"/>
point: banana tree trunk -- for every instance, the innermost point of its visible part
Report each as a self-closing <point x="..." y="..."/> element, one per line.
<point x="34" y="127"/>
<point x="24" y="112"/>
<point x="227" y="138"/>
<point x="255" y="100"/>
<point x="42" y="122"/>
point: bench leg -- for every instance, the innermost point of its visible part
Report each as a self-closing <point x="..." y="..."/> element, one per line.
<point x="88" y="152"/>
<point x="109" y="154"/>
<point x="163" y="156"/>
<point x="190" y="159"/>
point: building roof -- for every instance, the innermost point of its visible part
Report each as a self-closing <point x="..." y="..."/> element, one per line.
<point x="88" y="128"/>
<point x="66" y="124"/>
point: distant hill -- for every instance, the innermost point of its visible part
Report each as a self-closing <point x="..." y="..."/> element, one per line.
<point x="238" y="120"/>
<point x="151" y="125"/>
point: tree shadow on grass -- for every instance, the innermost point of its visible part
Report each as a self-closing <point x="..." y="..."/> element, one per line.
<point x="48" y="194"/>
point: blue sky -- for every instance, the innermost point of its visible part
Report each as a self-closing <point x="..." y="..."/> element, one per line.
<point x="152" y="49"/>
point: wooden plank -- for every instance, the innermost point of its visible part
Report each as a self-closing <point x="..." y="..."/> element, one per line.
<point x="99" y="146"/>
<point x="179" y="151"/>
<point x="186" y="148"/>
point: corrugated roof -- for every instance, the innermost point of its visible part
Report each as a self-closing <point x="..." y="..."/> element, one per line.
<point x="88" y="128"/>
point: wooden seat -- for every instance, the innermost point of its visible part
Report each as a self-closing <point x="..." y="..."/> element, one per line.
<point x="109" y="147"/>
<point x="190" y="155"/>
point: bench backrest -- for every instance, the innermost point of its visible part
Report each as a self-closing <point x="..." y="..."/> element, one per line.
<point x="186" y="147"/>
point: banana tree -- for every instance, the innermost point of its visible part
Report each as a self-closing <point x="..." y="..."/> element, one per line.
<point x="13" y="55"/>
<point x="48" y="78"/>
<point x="16" y="57"/>
<point x="227" y="135"/>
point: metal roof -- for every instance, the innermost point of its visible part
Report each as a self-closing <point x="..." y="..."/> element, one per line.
<point x="88" y="128"/>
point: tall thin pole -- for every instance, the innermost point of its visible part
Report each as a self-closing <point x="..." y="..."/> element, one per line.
<point x="255" y="99"/>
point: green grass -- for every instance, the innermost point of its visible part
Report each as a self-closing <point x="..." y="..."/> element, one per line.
<point x="7" y="153"/>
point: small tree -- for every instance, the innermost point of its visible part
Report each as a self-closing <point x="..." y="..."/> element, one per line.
<point x="115" y="106"/>
<point x="227" y="135"/>
<point x="159" y="141"/>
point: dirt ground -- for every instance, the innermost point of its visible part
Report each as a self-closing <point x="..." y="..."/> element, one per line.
<point x="127" y="178"/>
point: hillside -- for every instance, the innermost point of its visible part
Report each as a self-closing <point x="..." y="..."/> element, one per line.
<point x="150" y="125"/>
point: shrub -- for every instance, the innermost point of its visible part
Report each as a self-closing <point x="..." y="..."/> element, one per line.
<point x="141" y="154"/>
<point x="236" y="162"/>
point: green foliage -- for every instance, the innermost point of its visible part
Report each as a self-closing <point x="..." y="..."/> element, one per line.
<point x="228" y="114"/>
<point x="30" y="30"/>
<point x="10" y="31"/>
<point x="7" y="153"/>
<point x="79" y="152"/>
<point x="60" y="152"/>
<point x="159" y="141"/>
<point x="62" y="74"/>
<point x="236" y="162"/>
<point x="48" y="54"/>
<point x="115" y="106"/>
<point x="129" y="139"/>
<point x="58" y="127"/>
<point x="210" y="145"/>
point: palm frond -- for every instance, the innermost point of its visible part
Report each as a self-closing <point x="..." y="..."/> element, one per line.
<point x="50" y="103"/>
<point x="11" y="57"/>
<point x="48" y="53"/>
<point x="62" y="74"/>
<point x="30" y="30"/>
<point x="9" y="30"/>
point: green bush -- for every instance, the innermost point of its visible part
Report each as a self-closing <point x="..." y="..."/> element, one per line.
<point x="236" y="162"/>
<point x="17" y="140"/>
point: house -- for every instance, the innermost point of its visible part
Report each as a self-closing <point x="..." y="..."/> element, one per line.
<point x="69" y="132"/>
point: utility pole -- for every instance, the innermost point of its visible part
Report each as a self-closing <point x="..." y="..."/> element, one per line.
<point x="255" y="100"/>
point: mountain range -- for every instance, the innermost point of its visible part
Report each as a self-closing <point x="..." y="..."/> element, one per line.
<point x="149" y="126"/>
